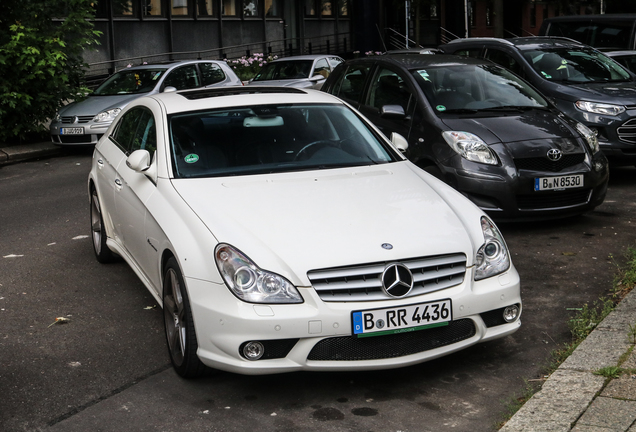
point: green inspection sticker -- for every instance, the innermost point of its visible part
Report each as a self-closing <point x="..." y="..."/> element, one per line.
<point x="191" y="158"/>
<point x="440" y="108"/>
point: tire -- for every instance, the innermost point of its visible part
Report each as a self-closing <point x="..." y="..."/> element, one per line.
<point x="98" y="233"/>
<point x="180" y="335"/>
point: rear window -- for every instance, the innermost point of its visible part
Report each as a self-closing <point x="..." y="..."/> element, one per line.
<point x="607" y="35"/>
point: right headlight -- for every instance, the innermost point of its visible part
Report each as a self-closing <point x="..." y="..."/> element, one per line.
<point x="108" y="115"/>
<point x="470" y="147"/>
<point x="590" y="137"/>
<point x="249" y="282"/>
<point x="492" y="257"/>
<point x="600" y="108"/>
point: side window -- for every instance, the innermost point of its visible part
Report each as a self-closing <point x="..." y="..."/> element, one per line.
<point x="505" y="60"/>
<point x="183" y="78"/>
<point x="472" y="52"/>
<point x="388" y="88"/>
<point x="322" y="68"/>
<point x="351" y="85"/>
<point x="135" y="131"/>
<point x="211" y="73"/>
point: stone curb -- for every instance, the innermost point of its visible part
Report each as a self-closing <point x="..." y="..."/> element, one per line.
<point x="569" y="393"/>
<point x="23" y="152"/>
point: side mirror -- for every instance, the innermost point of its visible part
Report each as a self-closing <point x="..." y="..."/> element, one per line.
<point x="170" y="89"/>
<point x="141" y="162"/>
<point x="317" y="78"/>
<point x="392" y="112"/>
<point x="399" y="142"/>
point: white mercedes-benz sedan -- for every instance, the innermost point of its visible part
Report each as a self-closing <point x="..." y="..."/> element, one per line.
<point x="281" y="231"/>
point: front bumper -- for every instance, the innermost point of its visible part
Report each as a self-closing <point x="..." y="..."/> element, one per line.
<point x="223" y="323"/>
<point x="91" y="133"/>
<point x="507" y="193"/>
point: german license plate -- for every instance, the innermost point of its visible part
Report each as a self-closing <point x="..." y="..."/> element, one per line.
<point x="73" y="131"/>
<point x="402" y="319"/>
<point x="560" y="182"/>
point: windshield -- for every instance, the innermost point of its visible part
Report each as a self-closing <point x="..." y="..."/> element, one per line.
<point x="284" y="70"/>
<point x="270" y="139"/>
<point x="130" y="82"/>
<point x="576" y="65"/>
<point x="475" y="88"/>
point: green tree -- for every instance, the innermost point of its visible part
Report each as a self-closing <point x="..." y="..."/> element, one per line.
<point x="41" y="65"/>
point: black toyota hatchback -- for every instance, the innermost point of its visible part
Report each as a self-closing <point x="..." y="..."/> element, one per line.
<point x="483" y="130"/>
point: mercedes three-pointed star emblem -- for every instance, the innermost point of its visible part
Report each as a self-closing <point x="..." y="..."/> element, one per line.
<point x="397" y="280"/>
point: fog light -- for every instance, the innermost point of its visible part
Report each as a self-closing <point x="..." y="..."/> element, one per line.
<point x="253" y="350"/>
<point x="511" y="313"/>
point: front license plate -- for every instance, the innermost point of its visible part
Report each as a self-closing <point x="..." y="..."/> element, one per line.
<point x="73" y="131"/>
<point x="376" y="322"/>
<point x="560" y="182"/>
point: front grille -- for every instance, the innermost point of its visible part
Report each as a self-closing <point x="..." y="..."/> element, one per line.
<point x="80" y="119"/>
<point x="553" y="199"/>
<point x="545" y="164"/>
<point x="627" y="131"/>
<point x="363" y="283"/>
<point x="352" y="348"/>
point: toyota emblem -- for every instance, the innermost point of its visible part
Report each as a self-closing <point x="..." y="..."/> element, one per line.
<point x="554" y="154"/>
<point x="397" y="280"/>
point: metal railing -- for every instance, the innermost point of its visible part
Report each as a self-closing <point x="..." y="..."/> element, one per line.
<point x="397" y="40"/>
<point x="447" y="36"/>
<point x="334" y="43"/>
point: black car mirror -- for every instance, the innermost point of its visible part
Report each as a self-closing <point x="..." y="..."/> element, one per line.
<point x="392" y="112"/>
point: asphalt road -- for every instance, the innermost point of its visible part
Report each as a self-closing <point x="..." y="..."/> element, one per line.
<point x="107" y="368"/>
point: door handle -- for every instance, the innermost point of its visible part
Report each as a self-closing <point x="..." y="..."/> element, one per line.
<point x="118" y="184"/>
<point x="100" y="163"/>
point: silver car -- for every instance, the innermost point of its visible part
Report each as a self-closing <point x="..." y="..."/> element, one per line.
<point x="307" y="71"/>
<point x="84" y="122"/>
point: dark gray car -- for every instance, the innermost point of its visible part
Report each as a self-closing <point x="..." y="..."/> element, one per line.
<point x="583" y="83"/>
<point x="481" y="129"/>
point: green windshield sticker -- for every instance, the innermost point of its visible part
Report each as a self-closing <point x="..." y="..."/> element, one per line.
<point x="191" y="158"/>
<point x="440" y="108"/>
<point x="424" y="75"/>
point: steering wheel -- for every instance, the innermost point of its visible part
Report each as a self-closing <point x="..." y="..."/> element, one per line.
<point x="311" y="148"/>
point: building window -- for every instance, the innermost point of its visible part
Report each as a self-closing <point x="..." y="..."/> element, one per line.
<point x="124" y="8"/>
<point x="343" y="8"/>
<point x="180" y="8"/>
<point x="272" y="8"/>
<point x="533" y="15"/>
<point x="229" y="8"/>
<point x="310" y="7"/>
<point x="325" y="8"/>
<point x="205" y="7"/>
<point x="250" y="8"/>
<point x="151" y="7"/>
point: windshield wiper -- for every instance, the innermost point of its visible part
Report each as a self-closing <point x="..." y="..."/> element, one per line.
<point x="513" y="108"/>
<point x="459" y="111"/>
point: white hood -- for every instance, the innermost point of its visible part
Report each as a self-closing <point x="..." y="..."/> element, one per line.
<point x="291" y="223"/>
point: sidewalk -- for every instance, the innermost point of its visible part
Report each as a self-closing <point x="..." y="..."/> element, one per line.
<point x="17" y="153"/>
<point x="575" y="399"/>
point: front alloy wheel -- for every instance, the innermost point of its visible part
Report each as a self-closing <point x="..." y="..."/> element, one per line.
<point x="180" y="334"/>
<point x="98" y="233"/>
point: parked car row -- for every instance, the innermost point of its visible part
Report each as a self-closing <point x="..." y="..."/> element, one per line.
<point x="281" y="229"/>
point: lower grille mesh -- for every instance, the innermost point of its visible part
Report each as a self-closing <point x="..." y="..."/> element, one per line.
<point x="351" y="348"/>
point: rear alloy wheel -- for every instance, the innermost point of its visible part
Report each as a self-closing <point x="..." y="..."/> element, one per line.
<point x="98" y="233"/>
<point x="180" y="334"/>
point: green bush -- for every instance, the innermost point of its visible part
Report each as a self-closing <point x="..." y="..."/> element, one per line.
<point x="41" y="65"/>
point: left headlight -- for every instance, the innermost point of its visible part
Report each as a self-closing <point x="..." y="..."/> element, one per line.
<point x="249" y="282"/>
<point x="470" y="146"/>
<point x="600" y="108"/>
<point x="590" y="137"/>
<point x="492" y="257"/>
<point x="108" y="115"/>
